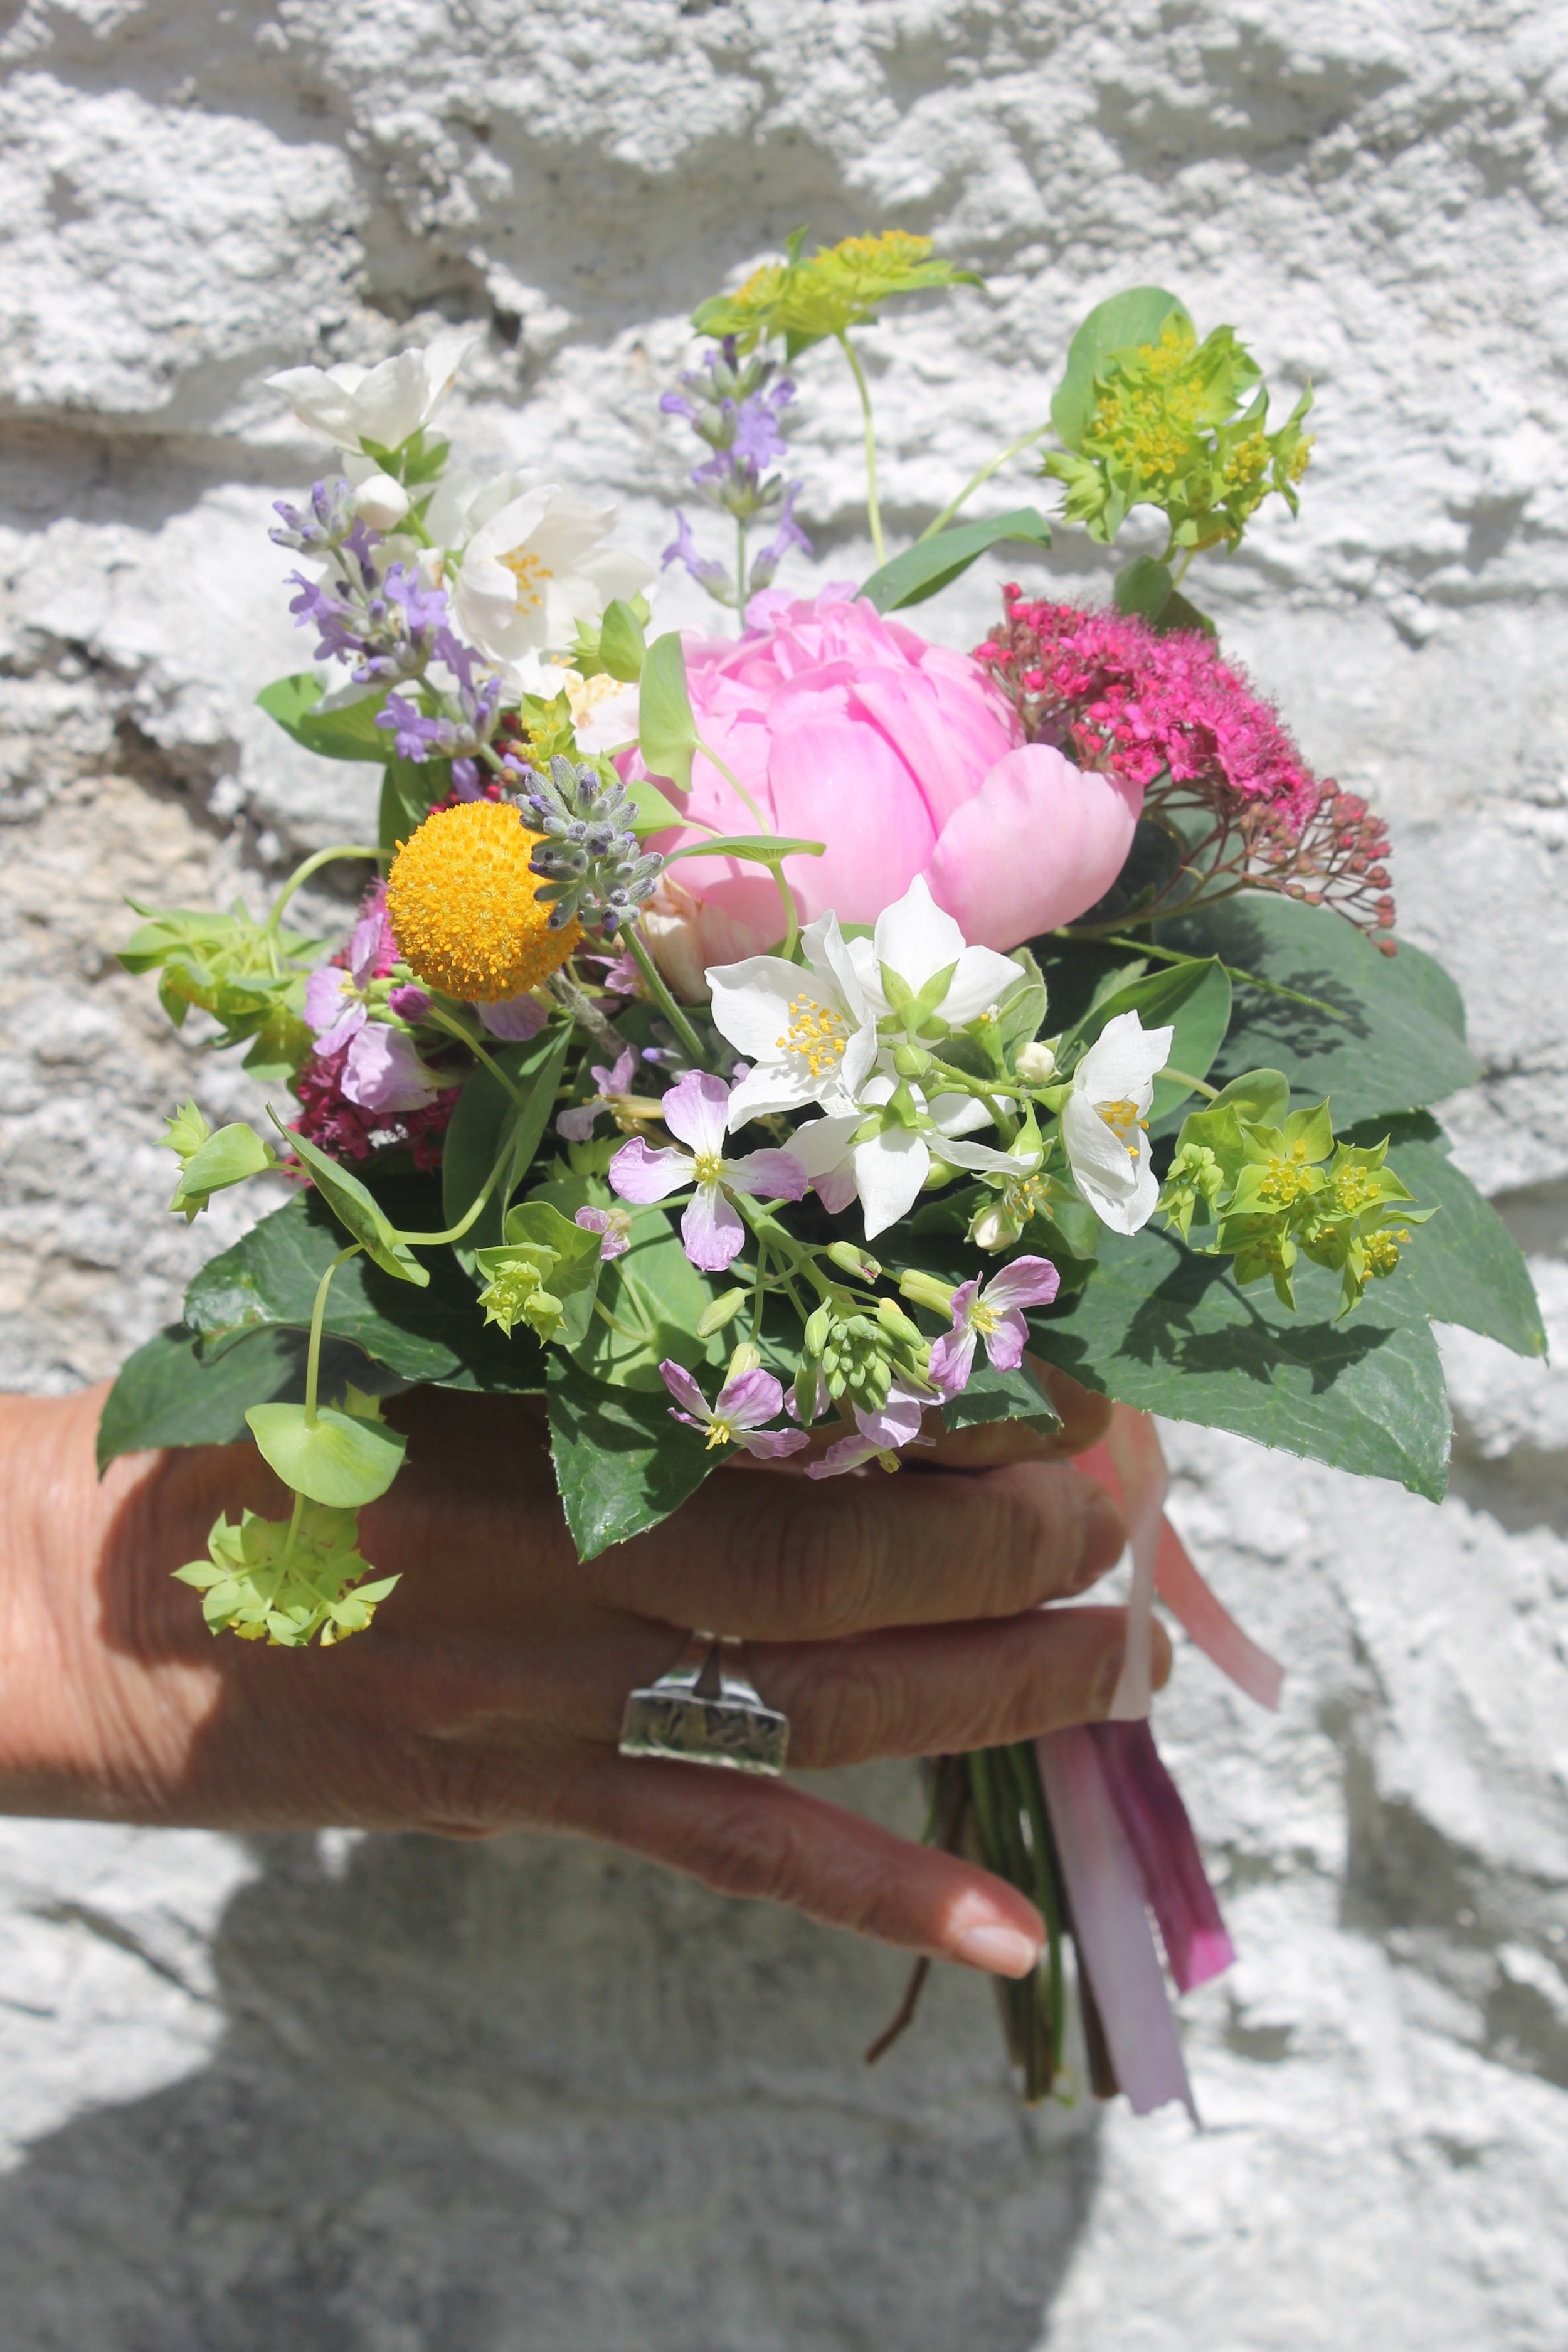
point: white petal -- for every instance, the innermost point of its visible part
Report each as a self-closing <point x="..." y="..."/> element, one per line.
<point x="1122" y="1195"/>
<point x="827" y="952"/>
<point x="916" y="938"/>
<point x="1123" y="1062"/>
<point x="888" y="1172"/>
<point x="769" y="1088"/>
<point x="751" y="1002"/>
<point x="983" y="978"/>
<point x="983" y="1155"/>
<point x="862" y="955"/>
<point x="959" y="1114"/>
<point x="511" y="531"/>
<point x="821" y="1143"/>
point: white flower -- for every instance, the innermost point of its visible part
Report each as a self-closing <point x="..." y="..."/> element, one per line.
<point x="350" y="405"/>
<point x="605" y="709"/>
<point x="887" y="1166"/>
<point x="533" y="564"/>
<point x="806" y="1030"/>
<point x="381" y="501"/>
<point x="1105" y="1122"/>
<point x="914" y="945"/>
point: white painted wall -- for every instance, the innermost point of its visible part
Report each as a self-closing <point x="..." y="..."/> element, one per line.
<point x="393" y="2097"/>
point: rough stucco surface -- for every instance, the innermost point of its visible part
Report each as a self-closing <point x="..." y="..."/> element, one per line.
<point x="386" y="2095"/>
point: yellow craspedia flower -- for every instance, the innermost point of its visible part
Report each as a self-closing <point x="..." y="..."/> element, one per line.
<point x="463" y="906"/>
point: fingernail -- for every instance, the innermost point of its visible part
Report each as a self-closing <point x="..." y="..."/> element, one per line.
<point x="1001" y="1951"/>
<point x="1102" y="1539"/>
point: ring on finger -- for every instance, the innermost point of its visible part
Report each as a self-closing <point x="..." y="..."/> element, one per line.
<point x="704" y="1710"/>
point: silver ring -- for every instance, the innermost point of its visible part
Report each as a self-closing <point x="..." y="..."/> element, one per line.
<point x="705" y="1711"/>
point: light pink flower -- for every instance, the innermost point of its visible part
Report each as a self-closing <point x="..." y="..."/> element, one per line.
<point x="578" y="1124"/>
<point x="382" y="1070"/>
<point x="697" y="1111"/>
<point x="906" y="759"/>
<point x="515" y="1018"/>
<point x="738" y="1416"/>
<point x="994" y="1315"/>
<point x="613" y="1223"/>
<point x="878" y="1436"/>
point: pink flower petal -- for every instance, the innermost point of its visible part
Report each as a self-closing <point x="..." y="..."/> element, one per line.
<point x="711" y="1232"/>
<point x="1040" y="841"/>
<point x="750" y="1400"/>
<point x="639" y="1174"/>
<point x="383" y="1071"/>
<point x="365" y="946"/>
<point x="768" y="1444"/>
<point x="576" y="1126"/>
<point x="1111" y="1925"/>
<point x="1175" y="1885"/>
<point x="952" y="1361"/>
<point x="768" y="1175"/>
<point x="1210" y="1624"/>
<point x="612" y="1224"/>
<point x="848" y="1454"/>
<point x="695" y="1111"/>
<point x="1028" y="1282"/>
<point x="515" y="1018"/>
<point x="895" y="1424"/>
<point x="680" y="1384"/>
<point x="1006" y="1344"/>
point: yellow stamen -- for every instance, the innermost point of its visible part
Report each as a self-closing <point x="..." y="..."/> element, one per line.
<point x="817" y="1032"/>
<point x="709" y="1167"/>
<point x="1124" y="1121"/>
<point x="531" y="573"/>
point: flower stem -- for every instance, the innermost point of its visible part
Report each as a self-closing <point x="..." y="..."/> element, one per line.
<point x="456" y="1029"/>
<point x="741" y="574"/>
<point x="1185" y="1078"/>
<point x="995" y="466"/>
<point x="302" y="874"/>
<point x="654" y="981"/>
<point x="736" y="786"/>
<point x="313" y="1354"/>
<point x="873" y="511"/>
<point x="1231" y="971"/>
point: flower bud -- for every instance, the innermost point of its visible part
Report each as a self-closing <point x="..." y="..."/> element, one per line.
<point x="722" y="1311"/>
<point x="381" y="502"/>
<point x="939" y="1172"/>
<point x="910" y="1062"/>
<point x="925" y="1290"/>
<point x="816" y="1326"/>
<point x="897" y="1324"/>
<point x="858" y="1263"/>
<point x="747" y="1358"/>
<point x="1035" y="1063"/>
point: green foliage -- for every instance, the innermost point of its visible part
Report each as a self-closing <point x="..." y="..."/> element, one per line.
<point x="486" y="1115"/>
<point x="667" y="731"/>
<point x="622" y="644"/>
<point x="346" y="731"/>
<point x="1127" y="321"/>
<point x="622" y="1462"/>
<point x="166" y="1395"/>
<point x="209" y="1162"/>
<point x="246" y="975"/>
<point x="341" y="1459"/>
<point x="1149" y="589"/>
<point x="1193" y="998"/>
<point x="287" y="1581"/>
<point x="546" y="1273"/>
<point x="934" y="563"/>
<point x="357" y="1209"/>
<point x="654" y="813"/>
<point x="1468" y="1269"/>
<point x="993" y="1396"/>
<point x="409" y="790"/>
<point x="805" y="297"/>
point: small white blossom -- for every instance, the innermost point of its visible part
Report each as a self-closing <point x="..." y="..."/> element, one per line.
<point x="349" y="404"/>
<point x="530" y="563"/>
<point x="915" y="942"/>
<point x="805" y="1029"/>
<point x="1105" y="1122"/>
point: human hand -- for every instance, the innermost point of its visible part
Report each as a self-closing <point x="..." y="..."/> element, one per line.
<point x="885" y="1616"/>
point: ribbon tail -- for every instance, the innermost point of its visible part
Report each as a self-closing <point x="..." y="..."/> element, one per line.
<point x="1175" y="1885"/>
<point x="1133" y="1445"/>
<point x="1205" y="1619"/>
<point x="1111" y="1925"/>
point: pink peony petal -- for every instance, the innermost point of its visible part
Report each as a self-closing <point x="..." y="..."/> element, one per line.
<point x="711" y="1232"/>
<point x="1040" y="842"/>
<point x="639" y="1174"/>
<point x="1111" y="1925"/>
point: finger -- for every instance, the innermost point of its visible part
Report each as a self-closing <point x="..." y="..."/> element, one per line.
<point x="781" y="1558"/>
<point x="767" y="1841"/>
<point x="939" y="1690"/>
<point x="1085" y="1413"/>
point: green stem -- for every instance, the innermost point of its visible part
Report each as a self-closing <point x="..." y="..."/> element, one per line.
<point x="476" y="1207"/>
<point x="312" y="865"/>
<point x="741" y="572"/>
<point x="654" y="981"/>
<point x="1027" y="1774"/>
<point x="873" y="511"/>
<point x="313" y="1354"/>
<point x="757" y="1292"/>
<point x="995" y="466"/>
<point x="456" y="1029"/>
<point x="736" y="786"/>
<point x="1231" y="971"/>
<point x="1185" y="1078"/>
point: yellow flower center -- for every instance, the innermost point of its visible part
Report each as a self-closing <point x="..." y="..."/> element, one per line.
<point x="709" y="1166"/>
<point x="817" y="1032"/>
<point x="1352" y="1189"/>
<point x="983" y="1319"/>
<point x="720" y="1433"/>
<point x="1124" y="1121"/>
<point x="463" y="905"/>
<point x="530" y="573"/>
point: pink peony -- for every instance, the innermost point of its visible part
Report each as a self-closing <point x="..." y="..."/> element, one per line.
<point x="905" y="759"/>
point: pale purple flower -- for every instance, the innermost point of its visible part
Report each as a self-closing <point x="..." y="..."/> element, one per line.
<point x="515" y="1018"/>
<point x="335" y="999"/>
<point x="697" y="1111"/>
<point x="879" y="1437"/>
<point x="994" y="1315"/>
<point x="787" y="534"/>
<point x="578" y="1124"/>
<point x="383" y="1071"/>
<point x="614" y="1224"/>
<point x="705" y="570"/>
<point x="410" y="1004"/>
<point x="744" y="1406"/>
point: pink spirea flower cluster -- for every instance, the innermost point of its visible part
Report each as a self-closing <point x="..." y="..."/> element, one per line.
<point x="1105" y="688"/>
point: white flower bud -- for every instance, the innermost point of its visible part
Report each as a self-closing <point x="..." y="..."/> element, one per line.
<point x="381" y="502"/>
<point x="1036" y="1064"/>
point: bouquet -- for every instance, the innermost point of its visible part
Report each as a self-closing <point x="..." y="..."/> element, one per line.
<point x="784" y="1041"/>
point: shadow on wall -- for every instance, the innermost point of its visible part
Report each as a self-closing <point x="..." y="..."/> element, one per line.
<point x="533" y="2097"/>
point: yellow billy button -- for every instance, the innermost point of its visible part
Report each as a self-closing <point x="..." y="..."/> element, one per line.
<point x="463" y="905"/>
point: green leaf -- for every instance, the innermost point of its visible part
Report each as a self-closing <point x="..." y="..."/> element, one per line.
<point x="226" y="1158"/>
<point x="622" y="1462"/>
<point x="1193" y="998"/>
<point x="480" y="1125"/>
<point x="435" y="1334"/>
<point x="1397" y="1043"/>
<point x="931" y="563"/>
<point x="1161" y="1329"/>
<point x="409" y="790"/>
<point x="654" y="813"/>
<point x="347" y="732"/>
<point x="993" y="1396"/>
<point x="1133" y="318"/>
<point x="1465" y="1267"/>
<point x="278" y="1049"/>
<point x="622" y="644"/>
<point x="165" y="1395"/>
<point x="356" y="1209"/>
<point x="338" y="1459"/>
<point x="667" y="731"/>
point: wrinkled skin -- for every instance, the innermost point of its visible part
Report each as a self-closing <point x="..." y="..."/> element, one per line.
<point x="887" y="1616"/>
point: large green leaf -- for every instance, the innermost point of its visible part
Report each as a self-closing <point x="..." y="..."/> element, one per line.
<point x="409" y="790"/>
<point x="1127" y="321"/>
<point x="357" y="1209"/>
<point x="1163" y="1329"/>
<point x="486" y="1113"/>
<point x="992" y="1396"/>
<point x="170" y="1393"/>
<point x="622" y="1464"/>
<point x="436" y="1335"/>
<point x="346" y="732"/>
<point x="667" y="731"/>
<point x="931" y="563"/>
<point x="1393" y="1037"/>
<point x="646" y="1309"/>
<point x="1465" y="1267"/>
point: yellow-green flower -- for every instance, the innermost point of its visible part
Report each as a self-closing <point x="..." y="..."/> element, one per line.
<point x="839" y="287"/>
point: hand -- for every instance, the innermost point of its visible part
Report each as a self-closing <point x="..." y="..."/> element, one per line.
<point x="887" y="1616"/>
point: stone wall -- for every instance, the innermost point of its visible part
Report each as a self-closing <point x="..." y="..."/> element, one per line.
<point x="388" y="2095"/>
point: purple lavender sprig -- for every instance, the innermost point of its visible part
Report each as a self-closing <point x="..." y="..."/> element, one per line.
<point x="737" y="407"/>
